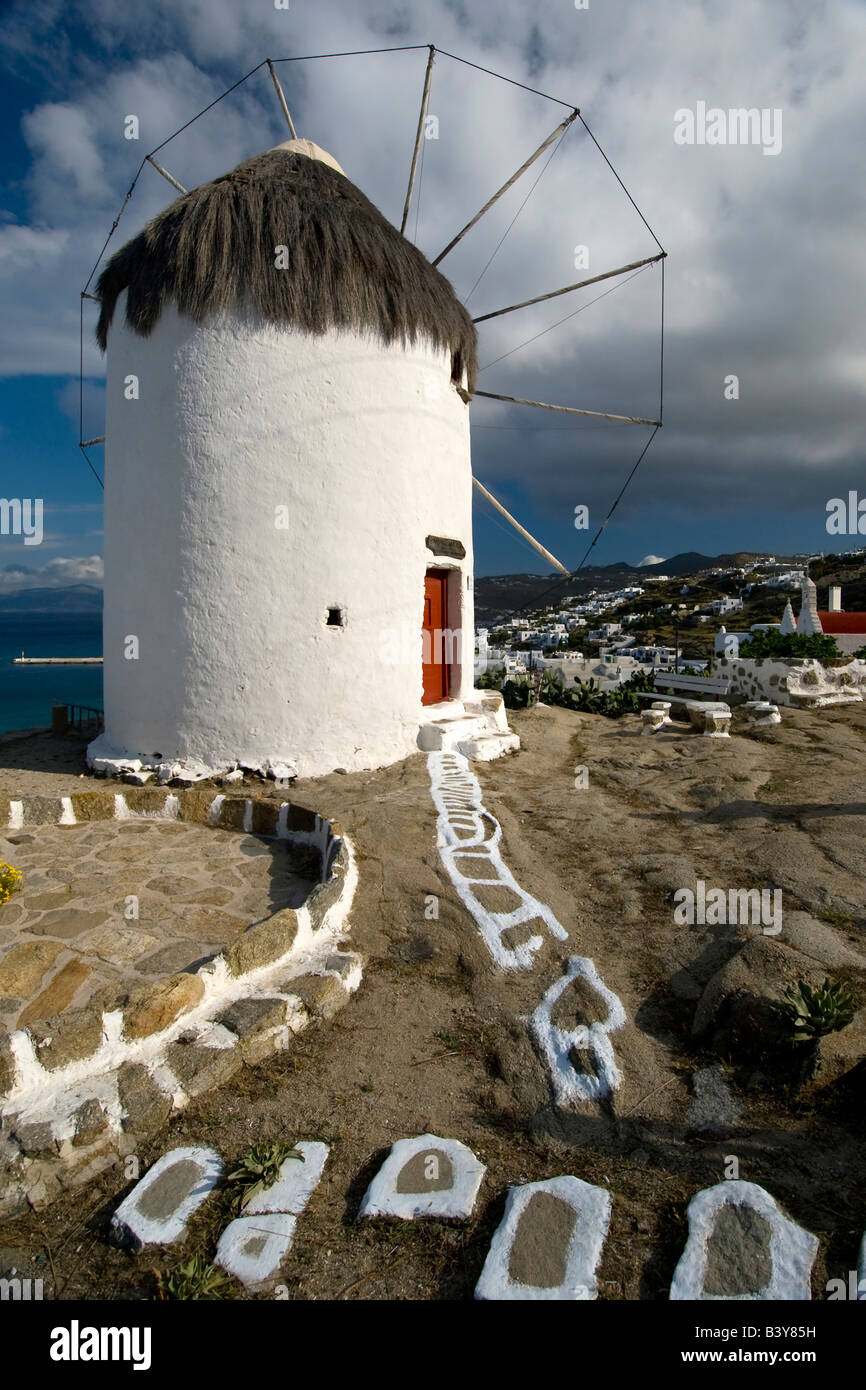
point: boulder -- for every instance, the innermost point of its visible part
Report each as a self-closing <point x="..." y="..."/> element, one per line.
<point x="839" y="1053"/>
<point x="738" y="1001"/>
<point x="819" y="941"/>
<point x="694" y="956"/>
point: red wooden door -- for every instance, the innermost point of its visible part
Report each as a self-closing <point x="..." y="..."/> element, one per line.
<point x="436" y="647"/>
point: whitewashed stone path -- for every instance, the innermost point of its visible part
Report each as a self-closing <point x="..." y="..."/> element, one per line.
<point x="741" y="1246"/>
<point x="557" y="1044"/>
<point x="468" y="839"/>
<point x="157" y="1209"/>
<point x="425" y="1177"/>
<point x="547" y="1247"/>
<point x="254" y="1245"/>
<point x="549" y="1243"/>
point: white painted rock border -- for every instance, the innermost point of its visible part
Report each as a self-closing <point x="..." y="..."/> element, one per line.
<point x="255" y="1267"/>
<point x="792" y="1249"/>
<point x="272" y="1215"/>
<point x="467" y="832"/>
<point x="296" y="1184"/>
<point x="452" y="1203"/>
<point x="133" y="1229"/>
<point x="570" y="1086"/>
<point x="592" y="1205"/>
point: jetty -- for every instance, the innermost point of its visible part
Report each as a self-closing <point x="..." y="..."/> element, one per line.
<point x="23" y="660"/>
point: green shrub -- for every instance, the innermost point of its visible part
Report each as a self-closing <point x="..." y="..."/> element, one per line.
<point x="585" y="696"/>
<point x="491" y="679"/>
<point x="195" y="1280"/>
<point x="518" y="692"/>
<point x="789" y="644"/>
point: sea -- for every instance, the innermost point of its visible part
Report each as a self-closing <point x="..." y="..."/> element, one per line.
<point x="27" y="693"/>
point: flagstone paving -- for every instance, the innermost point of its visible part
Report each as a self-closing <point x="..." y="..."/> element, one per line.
<point x="108" y="905"/>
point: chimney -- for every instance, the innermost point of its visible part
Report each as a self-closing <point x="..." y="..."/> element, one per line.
<point x="835" y="600"/>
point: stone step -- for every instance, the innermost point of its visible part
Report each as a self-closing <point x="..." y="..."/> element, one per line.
<point x="425" y="1177"/>
<point x="548" y="1246"/>
<point x="485" y="747"/>
<point x="445" y="711"/>
<point x="443" y="735"/>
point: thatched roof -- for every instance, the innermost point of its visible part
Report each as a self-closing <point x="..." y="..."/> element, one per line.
<point x="213" y="249"/>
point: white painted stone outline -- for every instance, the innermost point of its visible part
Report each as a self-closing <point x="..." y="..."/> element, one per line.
<point x="454" y="1203"/>
<point x="274" y="1214"/>
<point x="135" y="1230"/>
<point x="792" y="1249"/>
<point x="457" y="798"/>
<point x="277" y="1227"/>
<point x="296" y="1184"/>
<point x="570" y="1086"/>
<point x="592" y="1205"/>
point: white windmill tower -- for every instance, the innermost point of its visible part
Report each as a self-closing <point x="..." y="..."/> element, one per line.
<point x="288" y="518"/>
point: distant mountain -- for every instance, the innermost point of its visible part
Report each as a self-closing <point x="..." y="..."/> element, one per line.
<point x="74" y="598"/>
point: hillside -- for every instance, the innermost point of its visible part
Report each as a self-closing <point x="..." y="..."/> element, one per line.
<point x="506" y="593"/>
<point x="74" y="598"/>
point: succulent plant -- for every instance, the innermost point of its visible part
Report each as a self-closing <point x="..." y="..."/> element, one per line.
<point x="812" y="1013"/>
<point x="195" y="1280"/>
<point x="260" y="1168"/>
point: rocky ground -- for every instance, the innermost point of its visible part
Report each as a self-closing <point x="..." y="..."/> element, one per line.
<point x="436" y="1039"/>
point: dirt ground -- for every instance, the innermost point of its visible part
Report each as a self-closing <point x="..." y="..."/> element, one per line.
<point x="436" y="1040"/>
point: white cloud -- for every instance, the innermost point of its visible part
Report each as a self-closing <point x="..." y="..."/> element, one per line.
<point x="62" y="137"/>
<point x="56" y="574"/>
<point x="765" y="272"/>
<point x="30" y="249"/>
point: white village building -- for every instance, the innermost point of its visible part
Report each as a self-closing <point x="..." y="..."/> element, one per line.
<point x="847" y="629"/>
<point x="288" y="516"/>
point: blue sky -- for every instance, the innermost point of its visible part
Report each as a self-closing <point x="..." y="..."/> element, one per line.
<point x="765" y="276"/>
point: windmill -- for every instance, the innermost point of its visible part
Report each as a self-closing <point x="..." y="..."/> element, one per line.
<point x="301" y="596"/>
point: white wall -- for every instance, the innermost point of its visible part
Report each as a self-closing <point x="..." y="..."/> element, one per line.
<point x="368" y="448"/>
<point x="789" y="681"/>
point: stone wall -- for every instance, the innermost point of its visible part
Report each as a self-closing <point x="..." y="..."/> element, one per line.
<point x="79" y="1089"/>
<point x="805" y="682"/>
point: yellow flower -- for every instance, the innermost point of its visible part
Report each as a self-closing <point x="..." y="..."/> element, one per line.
<point x="10" y="881"/>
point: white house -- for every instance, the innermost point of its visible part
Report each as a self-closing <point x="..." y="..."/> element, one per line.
<point x="720" y="606"/>
<point x="288" y="513"/>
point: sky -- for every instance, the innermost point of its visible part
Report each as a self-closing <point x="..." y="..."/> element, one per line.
<point x="764" y="280"/>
